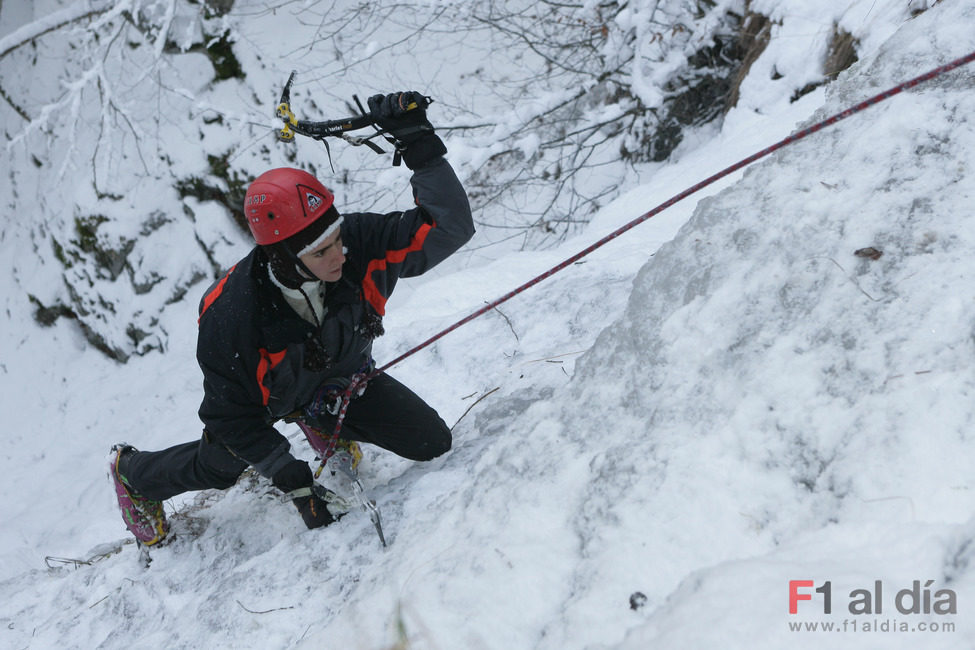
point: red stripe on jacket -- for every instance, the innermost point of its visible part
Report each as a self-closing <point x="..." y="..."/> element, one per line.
<point x="268" y="361"/>
<point x="213" y="295"/>
<point x="369" y="288"/>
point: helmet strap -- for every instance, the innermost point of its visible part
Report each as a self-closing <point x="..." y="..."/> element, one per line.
<point x="287" y="267"/>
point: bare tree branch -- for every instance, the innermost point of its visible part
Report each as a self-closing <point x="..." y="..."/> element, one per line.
<point x="78" y="12"/>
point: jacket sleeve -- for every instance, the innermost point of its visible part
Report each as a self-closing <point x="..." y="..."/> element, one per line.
<point x="406" y="244"/>
<point x="234" y="410"/>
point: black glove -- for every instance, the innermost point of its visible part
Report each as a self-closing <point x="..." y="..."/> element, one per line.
<point x="296" y="476"/>
<point x="403" y="115"/>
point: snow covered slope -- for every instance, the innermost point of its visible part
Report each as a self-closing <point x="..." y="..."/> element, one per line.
<point x="760" y="405"/>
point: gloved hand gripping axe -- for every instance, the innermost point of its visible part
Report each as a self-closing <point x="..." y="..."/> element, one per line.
<point x="344" y="464"/>
<point x="332" y="128"/>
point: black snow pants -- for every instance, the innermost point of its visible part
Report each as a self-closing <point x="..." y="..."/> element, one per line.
<point x="388" y="415"/>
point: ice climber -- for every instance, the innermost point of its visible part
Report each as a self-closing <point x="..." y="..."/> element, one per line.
<point x="292" y="322"/>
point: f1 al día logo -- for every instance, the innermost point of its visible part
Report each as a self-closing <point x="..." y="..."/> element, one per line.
<point x="922" y="606"/>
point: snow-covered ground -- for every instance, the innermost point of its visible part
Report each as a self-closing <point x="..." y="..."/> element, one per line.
<point x="723" y="401"/>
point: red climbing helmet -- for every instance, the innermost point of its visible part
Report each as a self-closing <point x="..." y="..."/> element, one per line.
<point x="284" y="201"/>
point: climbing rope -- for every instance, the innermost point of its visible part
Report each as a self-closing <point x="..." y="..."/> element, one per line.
<point x="795" y="137"/>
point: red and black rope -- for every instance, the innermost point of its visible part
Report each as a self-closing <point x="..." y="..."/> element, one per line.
<point x="795" y="137"/>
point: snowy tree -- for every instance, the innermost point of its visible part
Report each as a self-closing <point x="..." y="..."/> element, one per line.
<point x="595" y="84"/>
<point x="567" y="105"/>
<point x="104" y="132"/>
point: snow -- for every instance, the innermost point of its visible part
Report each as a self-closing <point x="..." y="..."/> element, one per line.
<point x="723" y="400"/>
<point x="44" y="24"/>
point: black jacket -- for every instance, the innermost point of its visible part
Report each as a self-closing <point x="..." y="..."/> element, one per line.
<point x="261" y="361"/>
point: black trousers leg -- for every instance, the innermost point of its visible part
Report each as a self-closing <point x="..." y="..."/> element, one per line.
<point x="190" y="466"/>
<point x="391" y="416"/>
<point x="388" y="415"/>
